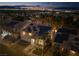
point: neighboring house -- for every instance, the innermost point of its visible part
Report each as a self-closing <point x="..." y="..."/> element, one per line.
<point x="9" y="28"/>
<point x="14" y="27"/>
<point x="67" y="38"/>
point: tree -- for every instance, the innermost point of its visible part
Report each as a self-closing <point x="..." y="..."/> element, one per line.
<point x="55" y="23"/>
<point x="56" y="50"/>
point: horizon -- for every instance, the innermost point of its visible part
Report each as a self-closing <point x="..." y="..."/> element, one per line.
<point x="44" y="4"/>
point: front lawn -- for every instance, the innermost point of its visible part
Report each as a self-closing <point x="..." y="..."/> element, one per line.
<point x="38" y="51"/>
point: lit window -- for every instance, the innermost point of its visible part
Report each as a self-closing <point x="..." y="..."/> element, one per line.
<point x="41" y="42"/>
<point x="30" y="34"/>
<point x="55" y="30"/>
<point x="23" y="33"/>
<point x="32" y="41"/>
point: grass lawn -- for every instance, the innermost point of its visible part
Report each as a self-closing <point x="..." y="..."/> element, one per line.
<point x="38" y="51"/>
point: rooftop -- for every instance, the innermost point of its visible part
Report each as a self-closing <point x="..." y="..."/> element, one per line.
<point x="40" y="29"/>
<point x="12" y="24"/>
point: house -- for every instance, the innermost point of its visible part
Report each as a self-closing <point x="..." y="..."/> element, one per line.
<point x="36" y="34"/>
<point x="68" y="39"/>
<point x="64" y="34"/>
<point x="14" y="26"/>
<point x="9" y="28"/>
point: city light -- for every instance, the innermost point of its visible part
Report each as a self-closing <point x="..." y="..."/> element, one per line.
<point x="57" y="12"/>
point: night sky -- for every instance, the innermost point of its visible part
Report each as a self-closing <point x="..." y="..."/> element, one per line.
<point x="46" y="4"/>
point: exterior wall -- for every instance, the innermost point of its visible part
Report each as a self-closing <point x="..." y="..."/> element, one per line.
<point x="25" y="37"/>
<point x="40" y="44"/>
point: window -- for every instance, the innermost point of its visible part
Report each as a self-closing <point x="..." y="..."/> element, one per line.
<point x="41" y="42"/>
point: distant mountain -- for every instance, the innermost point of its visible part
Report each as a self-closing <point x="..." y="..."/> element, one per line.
<point x="17" y="6"/>
<point x="67" y="8"/>
<point x="10" y="7"/>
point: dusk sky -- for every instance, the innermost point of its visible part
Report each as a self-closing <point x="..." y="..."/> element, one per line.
<point x="47" y="4"/>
